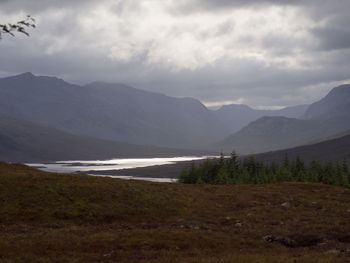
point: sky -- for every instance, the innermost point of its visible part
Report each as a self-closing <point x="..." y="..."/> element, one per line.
<point x="263" y="53"/>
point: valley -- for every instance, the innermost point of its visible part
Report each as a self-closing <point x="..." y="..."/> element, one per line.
<point x="42" y="120"/>
<point x="174" y="131"/>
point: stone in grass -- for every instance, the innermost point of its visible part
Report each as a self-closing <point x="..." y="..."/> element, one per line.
<point x="286" y="205"/>
<point x="295" y="241"/>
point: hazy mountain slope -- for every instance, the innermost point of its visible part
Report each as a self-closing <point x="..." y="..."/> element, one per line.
<point x="335" y="104"/>
<point x="330" y="116"/>
<point x="156" y="118"/>
<point x="333" y="111"/>
<point x="110" y="111"/>
<point x="271" y="133"/>
<point x="23" y="141"/>
<point x="335" y="149"/>
<point x="236" y="116"/>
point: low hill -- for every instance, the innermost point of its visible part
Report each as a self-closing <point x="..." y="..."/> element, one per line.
<point x="337" y="149"/>
<point x="23" y="141"/>
<point x="236" y="116"/>
<point x="271" y="133"/>
<point x="76" y="218"/>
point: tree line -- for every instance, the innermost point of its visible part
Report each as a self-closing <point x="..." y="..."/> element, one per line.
<point x="235" y="170"/>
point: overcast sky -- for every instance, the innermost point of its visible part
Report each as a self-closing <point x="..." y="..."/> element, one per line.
<point x="264" y="53"/>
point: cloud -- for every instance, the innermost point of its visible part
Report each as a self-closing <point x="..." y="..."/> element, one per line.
<point x="191" y="6"/>
<point x="334" y="34"/>
<point x="265" y="53"/>
<point x="39" y="6"/>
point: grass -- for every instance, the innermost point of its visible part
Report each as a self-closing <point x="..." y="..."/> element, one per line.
<point x="47" y="217"/>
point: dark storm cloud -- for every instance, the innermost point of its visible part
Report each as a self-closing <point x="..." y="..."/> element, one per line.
<point x="283" y="66"/>
<point x="335" y="34"/>
<point x="38" y="6"/>
<point x="189" y="6"/>
<point x="332" y="38"/>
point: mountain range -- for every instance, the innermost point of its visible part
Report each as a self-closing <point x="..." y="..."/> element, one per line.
<point x="237" y="116"/>
<point x="47" y="118"/>
<point x="110" y="111"/>
<point x="322" y="119"/>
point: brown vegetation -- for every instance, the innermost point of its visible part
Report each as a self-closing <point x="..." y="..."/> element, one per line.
<point x="76" y="218"/>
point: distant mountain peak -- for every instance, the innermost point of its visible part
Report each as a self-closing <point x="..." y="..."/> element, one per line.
<point x="340" y="89"/>
<point x="105" y="84"/>
<point x="25" y="75"/>
<point x="30" y="76"/>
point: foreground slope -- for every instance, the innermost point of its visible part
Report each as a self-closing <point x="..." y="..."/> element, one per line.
<point x="23" y="141"/>
<point x="76" y="218"/>
<point x="110" y="111"/>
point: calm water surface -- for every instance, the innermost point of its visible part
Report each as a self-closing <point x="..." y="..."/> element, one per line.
<point x="113" y="164"/>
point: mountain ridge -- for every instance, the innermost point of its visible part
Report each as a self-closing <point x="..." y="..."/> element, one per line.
<point x="110" y="111"/>
<point x="236" y="116"/>
<point x="326" y="118"/>
<point x="24" y="141"/>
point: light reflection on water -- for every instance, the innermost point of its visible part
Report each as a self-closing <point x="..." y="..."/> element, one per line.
<point x="150" y="179"/>
<point x="113" y="164"/>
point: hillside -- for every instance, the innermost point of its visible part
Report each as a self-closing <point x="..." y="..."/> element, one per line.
<point x="77" y="218"/>
<point x="110" y="111"/>
<point x="335" y="104"/>
<point x="325" y="118"/>
<point x="337" y="149"/>
<point x="271" y="133"/>
<point x="236" y="116"/>
<point x="23" y="141"/>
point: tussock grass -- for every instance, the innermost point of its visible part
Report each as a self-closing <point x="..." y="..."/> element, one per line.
<point x="47" y="217"/>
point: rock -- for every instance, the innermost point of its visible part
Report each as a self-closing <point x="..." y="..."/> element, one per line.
<point x="238" y="225"/>
<point x="228" y="218"/>
<point x="109" y="254"/>
<point x="286" y="241"/>
<point x="269" y="238"/>
<point x="286" y="205"/>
